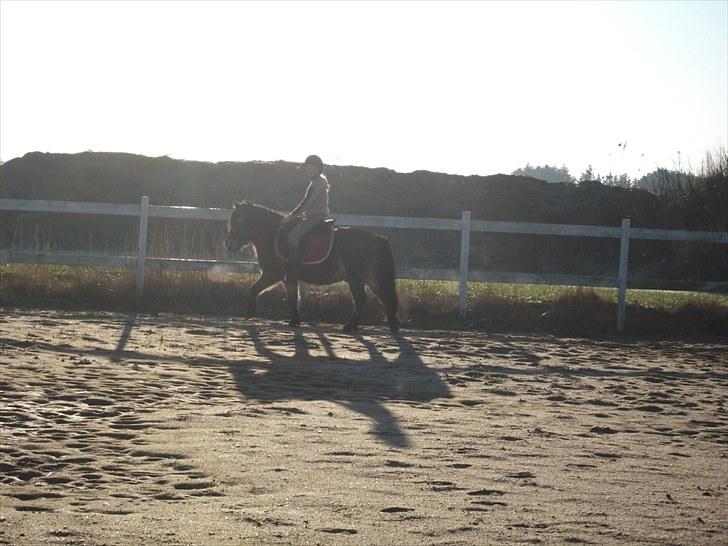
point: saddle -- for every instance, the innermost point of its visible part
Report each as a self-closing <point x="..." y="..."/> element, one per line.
<point x="315" y="248"/>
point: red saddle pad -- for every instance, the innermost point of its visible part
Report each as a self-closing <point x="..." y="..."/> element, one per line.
<point x="317" y="247"/>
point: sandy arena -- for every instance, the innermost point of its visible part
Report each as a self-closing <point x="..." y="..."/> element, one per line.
<point x="170" y="429"/>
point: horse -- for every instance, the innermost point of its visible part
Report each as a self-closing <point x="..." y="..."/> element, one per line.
<point x="357" y="256"/>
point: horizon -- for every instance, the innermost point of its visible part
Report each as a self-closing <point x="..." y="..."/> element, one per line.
<point x="464" y="88"/>
<point x="598" y="176"/>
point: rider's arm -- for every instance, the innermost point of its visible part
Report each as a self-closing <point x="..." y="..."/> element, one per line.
<point x="300" y="205"/>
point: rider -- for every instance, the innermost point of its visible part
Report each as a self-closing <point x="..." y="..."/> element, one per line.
<point x="313" y="208"/>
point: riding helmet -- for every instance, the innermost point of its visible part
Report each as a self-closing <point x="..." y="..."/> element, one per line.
<point x="316" y="161"/>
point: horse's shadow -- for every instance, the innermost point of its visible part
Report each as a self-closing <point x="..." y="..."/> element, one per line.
<point x="360" y="385"/>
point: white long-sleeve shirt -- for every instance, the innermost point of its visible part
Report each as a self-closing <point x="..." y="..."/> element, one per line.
<point x="317" y="198"/>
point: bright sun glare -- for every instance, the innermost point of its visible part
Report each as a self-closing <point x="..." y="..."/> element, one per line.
<point x="460" y="87"/>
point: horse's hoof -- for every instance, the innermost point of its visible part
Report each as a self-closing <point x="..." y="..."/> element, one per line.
<point x="294" y="323"/>
<point x="350" y="329"/>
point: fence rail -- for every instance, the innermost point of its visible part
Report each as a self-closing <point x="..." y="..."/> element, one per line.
<point x="464" y="225"/>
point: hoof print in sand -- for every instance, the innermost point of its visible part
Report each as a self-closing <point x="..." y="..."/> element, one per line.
<point x="338" y="531"/>
<point x="486" y="493"/>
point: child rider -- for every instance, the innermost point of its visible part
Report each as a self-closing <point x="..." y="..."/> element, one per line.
<point x="312" y="209"/>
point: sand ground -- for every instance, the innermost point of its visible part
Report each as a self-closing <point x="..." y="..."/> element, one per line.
<point x="170" y="429"/>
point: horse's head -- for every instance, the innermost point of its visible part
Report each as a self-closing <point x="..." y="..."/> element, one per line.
<point x="251" y="223"/>
<point x="239" y="232"/>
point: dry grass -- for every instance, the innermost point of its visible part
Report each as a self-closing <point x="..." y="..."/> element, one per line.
<point x="425" y="304"/>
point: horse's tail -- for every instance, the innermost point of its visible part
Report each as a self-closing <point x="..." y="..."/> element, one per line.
<point x="386" y="283"/>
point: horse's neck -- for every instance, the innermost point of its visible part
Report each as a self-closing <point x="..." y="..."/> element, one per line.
<point x="264" y="238"/>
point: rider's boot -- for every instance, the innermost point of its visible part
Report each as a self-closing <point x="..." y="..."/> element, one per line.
<point x="294" y="265"/>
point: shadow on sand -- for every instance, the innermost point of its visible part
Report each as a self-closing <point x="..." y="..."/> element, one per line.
<point x="361" y="385"/>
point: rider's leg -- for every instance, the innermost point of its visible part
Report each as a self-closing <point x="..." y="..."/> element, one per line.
<point x="294" y="264"/>
<point x="295" y="242"/>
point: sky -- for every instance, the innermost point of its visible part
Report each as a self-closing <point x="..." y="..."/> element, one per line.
<point x="457" y="87"/>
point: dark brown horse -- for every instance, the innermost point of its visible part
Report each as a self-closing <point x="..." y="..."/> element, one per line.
<point x="358" y="257"/>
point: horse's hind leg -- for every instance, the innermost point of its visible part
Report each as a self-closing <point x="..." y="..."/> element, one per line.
<point x="390" y="302"/>
<point x="360" y="298"/>
<point x="292" y="291"/>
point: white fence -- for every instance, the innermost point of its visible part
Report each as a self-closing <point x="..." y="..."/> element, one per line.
<point x="464" y="225"/>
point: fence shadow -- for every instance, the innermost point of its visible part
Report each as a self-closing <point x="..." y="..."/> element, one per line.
<point x="124" y="337"/>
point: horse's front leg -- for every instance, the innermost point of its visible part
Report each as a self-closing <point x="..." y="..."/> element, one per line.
<point x="262" y="284"/>
<point x="292" y="291"/>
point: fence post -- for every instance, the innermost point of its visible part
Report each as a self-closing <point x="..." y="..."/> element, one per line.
<point x="142" y="251"/>
<point x="464" y="258"/>
<point x="623" y="261"/>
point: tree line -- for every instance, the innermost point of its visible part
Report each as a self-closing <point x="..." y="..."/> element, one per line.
<point x="697" y="202"/>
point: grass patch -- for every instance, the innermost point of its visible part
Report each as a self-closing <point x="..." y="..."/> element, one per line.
<point x="425" y="304"/>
